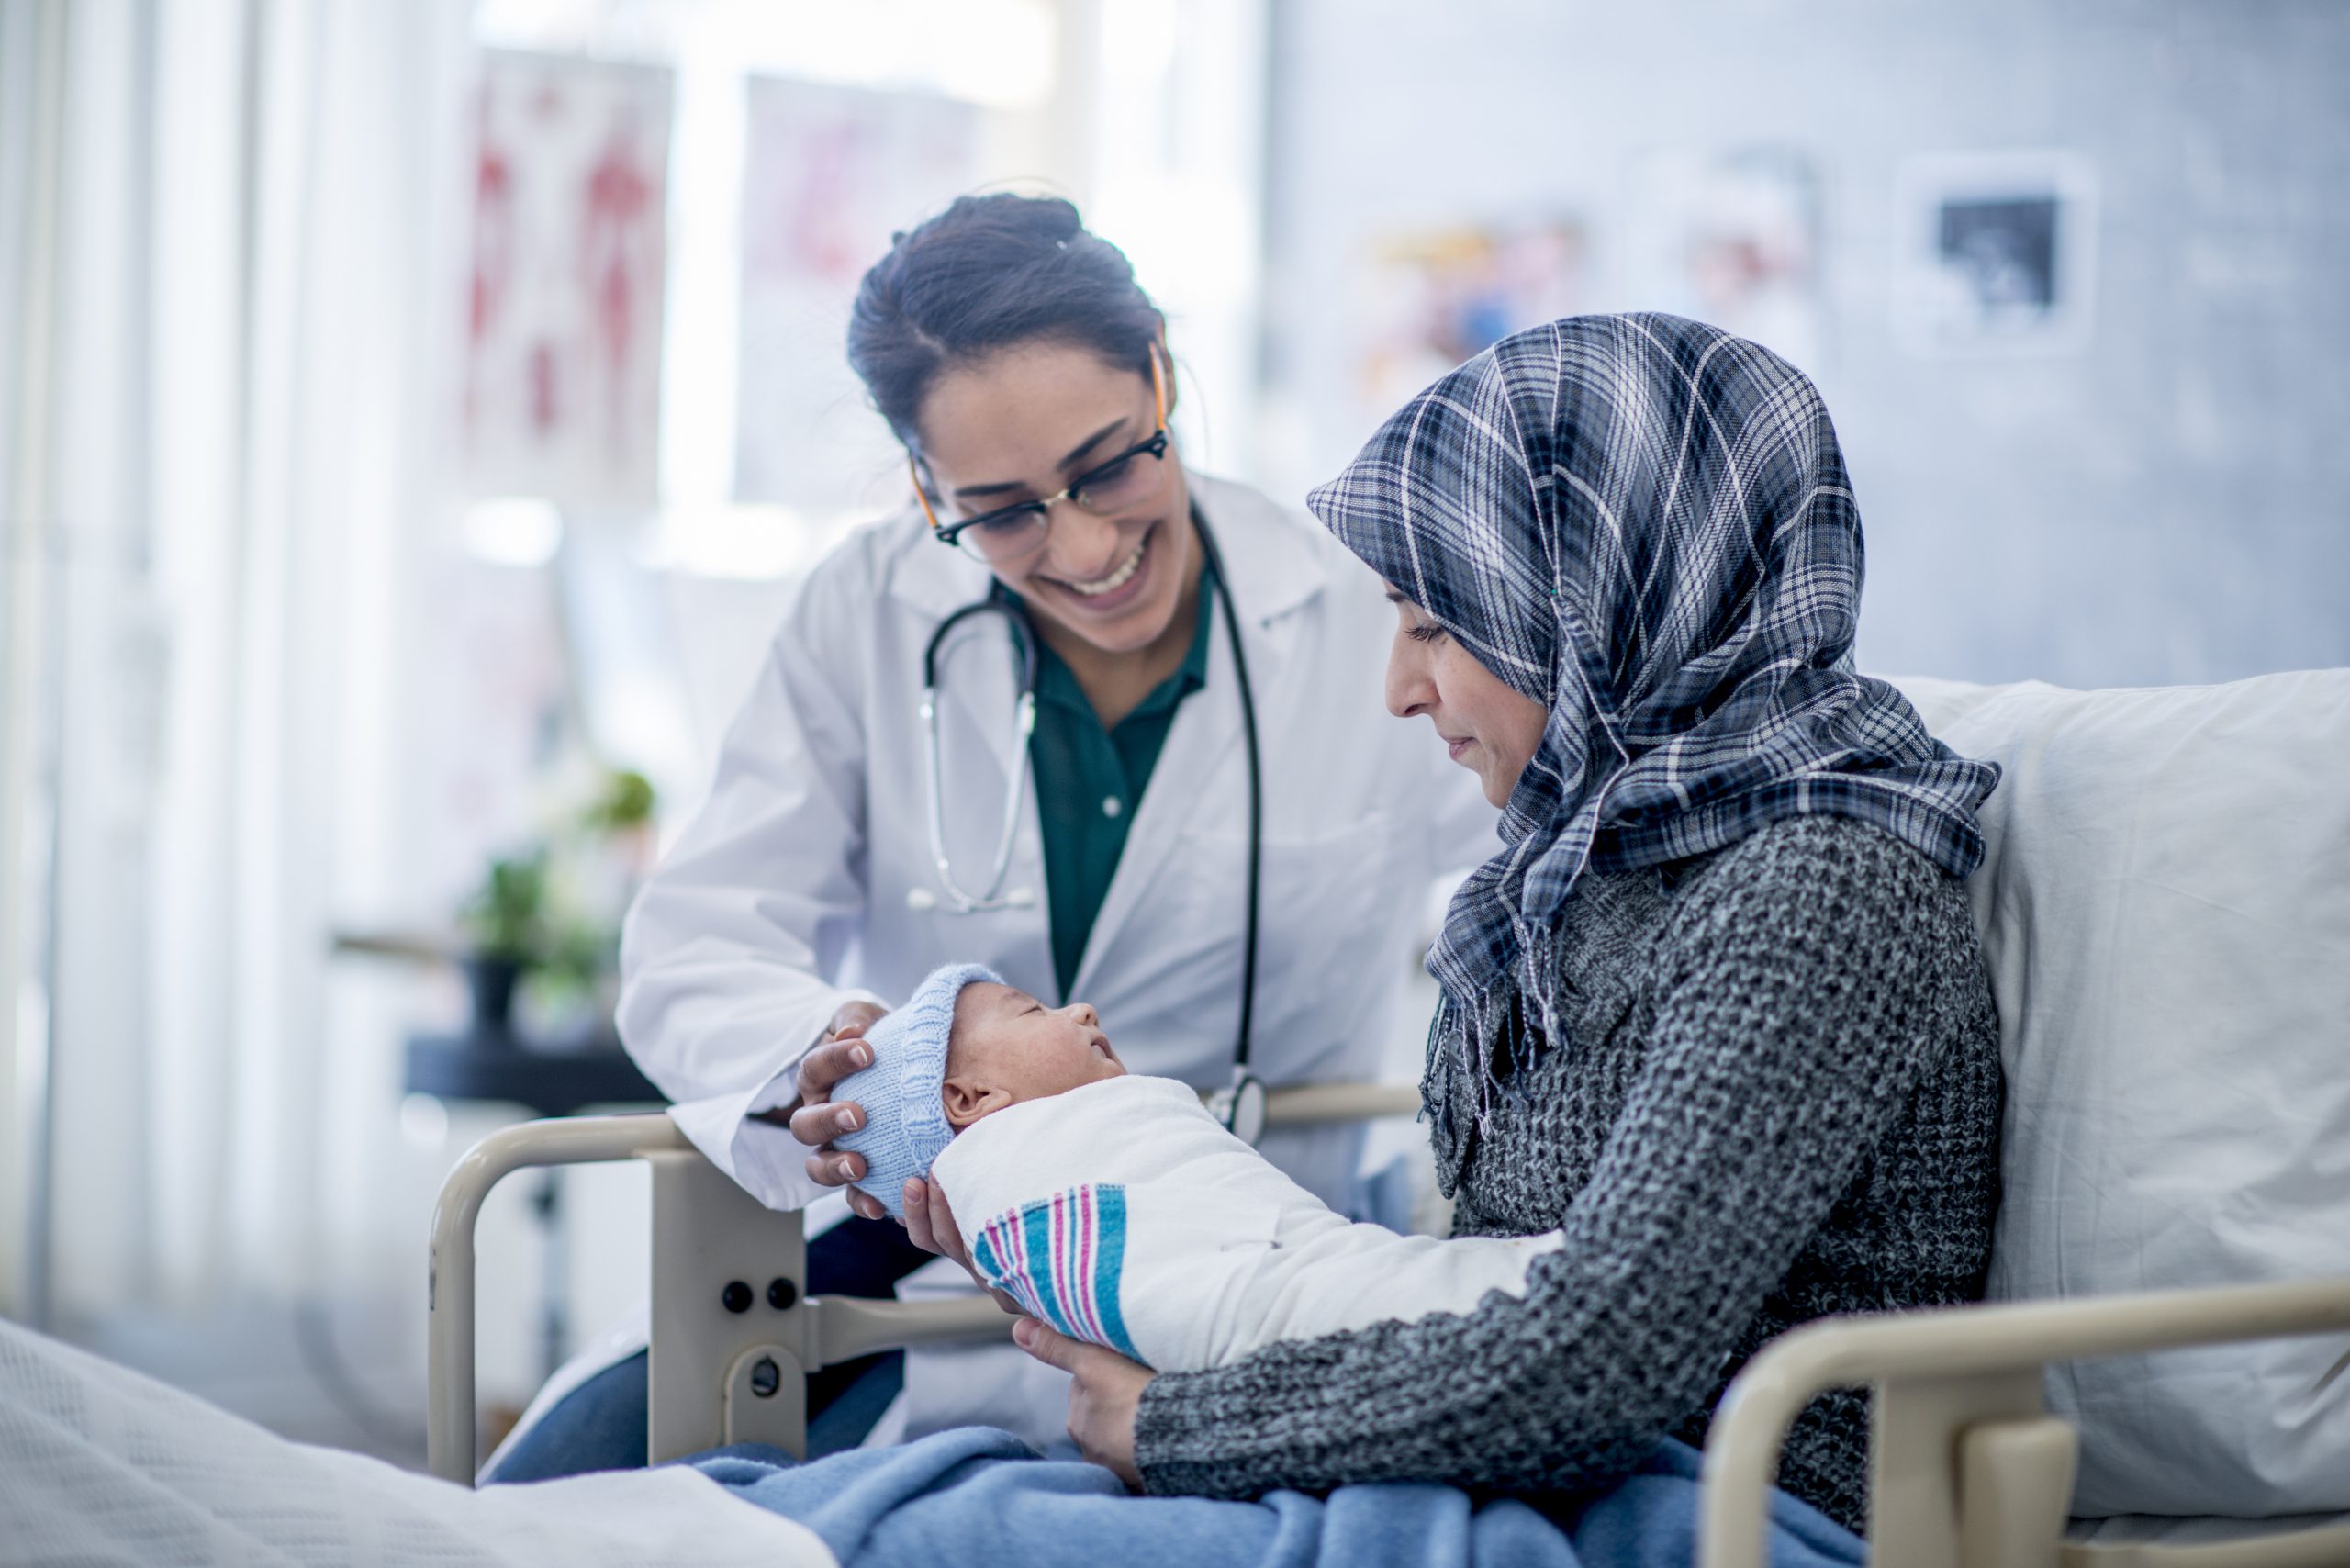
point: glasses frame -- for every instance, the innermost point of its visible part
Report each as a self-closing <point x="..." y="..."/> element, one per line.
<point x="1155" y="446"/>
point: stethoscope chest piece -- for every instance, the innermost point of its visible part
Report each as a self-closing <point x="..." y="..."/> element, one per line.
<point x="1241" y="1108"/>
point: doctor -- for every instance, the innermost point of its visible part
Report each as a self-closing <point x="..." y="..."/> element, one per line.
<point x="1198" y="658"/>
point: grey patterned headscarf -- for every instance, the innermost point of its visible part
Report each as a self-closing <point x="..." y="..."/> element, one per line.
<point x="1644" y="524"/>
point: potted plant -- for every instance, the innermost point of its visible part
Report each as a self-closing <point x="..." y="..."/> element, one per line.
<point x="549" y="912"/>
<point x="505" y="923"/>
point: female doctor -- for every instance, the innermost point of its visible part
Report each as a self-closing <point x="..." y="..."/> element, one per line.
<point x="1203" y="834"/>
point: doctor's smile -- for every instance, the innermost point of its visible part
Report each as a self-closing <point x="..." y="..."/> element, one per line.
<point x="1102" y="590"/>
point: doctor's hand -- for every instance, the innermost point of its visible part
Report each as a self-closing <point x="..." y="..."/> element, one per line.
<point x="1102" y="1399"/>
<point x="816" y="1120"/>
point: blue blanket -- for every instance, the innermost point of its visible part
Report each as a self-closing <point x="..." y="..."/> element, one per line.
<point x="978" y="1497"/>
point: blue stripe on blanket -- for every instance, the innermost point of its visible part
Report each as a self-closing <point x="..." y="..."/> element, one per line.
<point x="1061" y="1258"/>
<point x="1110" y="1260"/>
<point x="1038" y="1259"/>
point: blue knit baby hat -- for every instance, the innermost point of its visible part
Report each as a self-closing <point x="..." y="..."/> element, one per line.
<point x="902" y="1092"/>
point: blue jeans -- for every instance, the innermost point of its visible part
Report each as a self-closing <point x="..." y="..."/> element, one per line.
<point x="601" y="1424"/>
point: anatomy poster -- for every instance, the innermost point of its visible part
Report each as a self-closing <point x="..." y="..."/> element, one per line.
<point x="561" y="392"/>
<point x="829" y="174"/>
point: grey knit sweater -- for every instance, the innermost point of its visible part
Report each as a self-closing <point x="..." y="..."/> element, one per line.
<point x="1781" y="1100"/>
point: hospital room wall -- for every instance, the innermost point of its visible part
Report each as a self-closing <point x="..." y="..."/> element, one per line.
<point x="2165" y="504"/>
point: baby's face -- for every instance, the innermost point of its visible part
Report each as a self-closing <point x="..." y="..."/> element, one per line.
<point x="1007" y="1046"/>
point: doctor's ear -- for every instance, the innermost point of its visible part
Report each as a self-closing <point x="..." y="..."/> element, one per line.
<point x="967" y="1101"/>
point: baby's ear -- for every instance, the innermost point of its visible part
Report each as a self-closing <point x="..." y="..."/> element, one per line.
<point x="967" y="1101"/>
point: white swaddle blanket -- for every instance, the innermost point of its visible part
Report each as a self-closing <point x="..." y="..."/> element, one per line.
<point x="1123" y="1213"/>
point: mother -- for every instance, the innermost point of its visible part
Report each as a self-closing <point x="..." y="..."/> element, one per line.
<point x="1717" y="1008"/>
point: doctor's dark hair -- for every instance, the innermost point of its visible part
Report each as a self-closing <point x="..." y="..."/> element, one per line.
<point x="988" y="273"/>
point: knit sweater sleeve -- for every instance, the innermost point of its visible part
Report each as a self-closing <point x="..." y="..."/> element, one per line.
<point x="1797" y="1014"/>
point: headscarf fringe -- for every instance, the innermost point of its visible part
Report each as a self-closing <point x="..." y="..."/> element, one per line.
<point x="1466" y="1040"/>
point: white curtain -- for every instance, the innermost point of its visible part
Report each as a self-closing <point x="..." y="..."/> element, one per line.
<point x="255" y="251"/>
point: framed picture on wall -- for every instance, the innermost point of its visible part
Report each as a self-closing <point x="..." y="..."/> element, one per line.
<point x="1997" y="252"/>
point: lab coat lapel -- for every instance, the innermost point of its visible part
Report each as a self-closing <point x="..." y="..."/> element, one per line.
<point x="1271" y="572"/>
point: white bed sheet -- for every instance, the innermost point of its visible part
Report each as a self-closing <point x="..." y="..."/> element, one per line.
<point x="101" y="1465"/>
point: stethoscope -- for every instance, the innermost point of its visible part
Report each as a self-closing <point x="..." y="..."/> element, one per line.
<point x="1241" y="1107"/>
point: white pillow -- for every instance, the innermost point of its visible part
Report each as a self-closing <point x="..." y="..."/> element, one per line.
<point x="2165" y="904"/>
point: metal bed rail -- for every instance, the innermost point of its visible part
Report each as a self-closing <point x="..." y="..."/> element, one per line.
<point x="1968" y="1469"/>
<point x="733" y="1332"/>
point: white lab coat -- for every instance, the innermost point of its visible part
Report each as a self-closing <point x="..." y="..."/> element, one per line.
<point x="787" y="895"/>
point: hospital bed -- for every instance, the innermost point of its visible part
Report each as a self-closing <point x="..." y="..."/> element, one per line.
<point x="727" y="1283"/>
<point x="2168" y="877"/>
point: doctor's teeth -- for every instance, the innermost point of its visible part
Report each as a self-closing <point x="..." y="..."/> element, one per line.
<point x="1115" y="580"/>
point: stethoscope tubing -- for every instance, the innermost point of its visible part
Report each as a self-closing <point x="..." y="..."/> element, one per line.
<point x="1024" y="719"/>
<point x="994" y="897"/>
<point x="1255" y="798"/>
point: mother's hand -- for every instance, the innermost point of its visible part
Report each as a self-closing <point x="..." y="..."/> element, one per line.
<point x="930" y="1225"/>
<point x="1102" y="1398"/>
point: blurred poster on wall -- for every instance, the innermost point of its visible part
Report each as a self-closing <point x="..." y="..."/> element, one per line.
<point x="1731" y="238"/>
<point x="561" y="390"/>
<point x="829" y="174"/>
<point x="1435" y="296"/>
<point x="1997" y="252"/>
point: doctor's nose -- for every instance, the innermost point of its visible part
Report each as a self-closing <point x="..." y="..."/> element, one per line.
<point x="1081" y="547"/>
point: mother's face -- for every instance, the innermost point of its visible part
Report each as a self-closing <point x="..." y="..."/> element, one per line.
<point x="1490" y="727"/>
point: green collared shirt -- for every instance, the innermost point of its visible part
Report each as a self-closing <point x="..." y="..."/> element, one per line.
<point x="1090" y="779"/>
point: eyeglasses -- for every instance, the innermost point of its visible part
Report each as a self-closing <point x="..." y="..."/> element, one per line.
<point x="1014" y="533"/>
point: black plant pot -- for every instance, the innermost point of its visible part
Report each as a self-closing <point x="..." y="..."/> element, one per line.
<point x="492" y="980"/>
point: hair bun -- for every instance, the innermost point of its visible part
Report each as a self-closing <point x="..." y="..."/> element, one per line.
<point x="989" y="272"/>
<point x="1058" y="218"/>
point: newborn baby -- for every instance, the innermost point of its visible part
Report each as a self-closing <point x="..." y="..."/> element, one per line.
<point x="1115" y="1207"/>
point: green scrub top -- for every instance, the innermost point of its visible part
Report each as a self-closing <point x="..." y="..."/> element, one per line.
<point x="1089" y="781"/>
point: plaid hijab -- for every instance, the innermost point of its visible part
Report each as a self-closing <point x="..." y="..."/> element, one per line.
<point x="1642" y="523"/>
